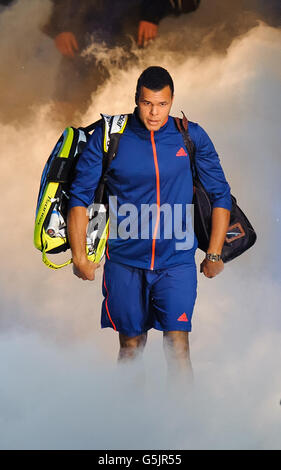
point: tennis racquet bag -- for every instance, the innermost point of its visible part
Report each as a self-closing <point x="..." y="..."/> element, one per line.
<point x="50" y="231"/>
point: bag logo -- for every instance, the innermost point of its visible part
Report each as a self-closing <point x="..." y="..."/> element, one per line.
<point x="46" y="206"/>
<point x="120" y="121"/>
<point x="234" y="232"/>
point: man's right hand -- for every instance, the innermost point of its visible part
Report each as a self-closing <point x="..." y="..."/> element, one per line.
<point x="85" y="269"/>
<point x="146" y="32"/>
<point x="66" y="43"/>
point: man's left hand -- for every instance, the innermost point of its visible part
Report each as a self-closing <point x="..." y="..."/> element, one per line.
<point x="210" y="268"/>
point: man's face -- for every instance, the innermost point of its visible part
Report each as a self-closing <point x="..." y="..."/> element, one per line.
<point x="154" y="107"/>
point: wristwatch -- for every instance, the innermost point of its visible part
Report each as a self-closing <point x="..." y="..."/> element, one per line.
<point x="213" y="257"/>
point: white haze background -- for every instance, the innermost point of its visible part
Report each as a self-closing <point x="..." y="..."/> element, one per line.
<point x="60" y="386"/>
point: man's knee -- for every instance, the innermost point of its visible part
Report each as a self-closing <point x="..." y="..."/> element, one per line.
<point x="130" y="347"/>
<point x="176" y="343"/>
<point x="133" y="342"/>
<point x="176" y="347"/>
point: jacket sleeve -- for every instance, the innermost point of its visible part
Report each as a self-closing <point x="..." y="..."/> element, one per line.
<point x="211" y="173"/>
<point x="62" y="18"/>
<point x="154" y="10"/>
<point x="87" y="172"/>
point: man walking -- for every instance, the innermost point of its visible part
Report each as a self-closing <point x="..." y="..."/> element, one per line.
<point x="150" y="282"/>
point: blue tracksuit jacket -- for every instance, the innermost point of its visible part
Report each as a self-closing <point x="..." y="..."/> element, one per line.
<point x="152" y="168"/>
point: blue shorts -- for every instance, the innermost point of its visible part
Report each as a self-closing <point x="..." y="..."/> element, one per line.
<point x="136" y="299"/>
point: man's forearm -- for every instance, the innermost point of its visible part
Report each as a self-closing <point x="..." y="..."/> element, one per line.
<point x="77" y="221"/>
<point x="220" y="224"/>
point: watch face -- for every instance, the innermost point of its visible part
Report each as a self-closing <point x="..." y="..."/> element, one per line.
<point x="213" y="257"/>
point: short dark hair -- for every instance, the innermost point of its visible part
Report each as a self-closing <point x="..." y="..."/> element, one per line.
<point x="154" y="78"/>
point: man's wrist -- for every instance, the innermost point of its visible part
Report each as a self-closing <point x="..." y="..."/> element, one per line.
<point x="80" y="259"/>
<point x="211" y="256"/>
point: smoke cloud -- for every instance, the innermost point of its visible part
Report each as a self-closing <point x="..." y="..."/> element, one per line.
<point x="61" y="388"/>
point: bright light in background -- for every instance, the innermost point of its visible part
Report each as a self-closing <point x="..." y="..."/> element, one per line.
<point x="60" y="384"/>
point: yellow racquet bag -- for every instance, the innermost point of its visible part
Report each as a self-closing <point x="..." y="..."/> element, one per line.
<point x="50" y="231"/>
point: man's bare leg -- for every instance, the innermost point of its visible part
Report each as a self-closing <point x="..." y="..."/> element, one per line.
<point x="176" y="347"/>
<point x="131" y="347"/>
<point x="130" y="354"/>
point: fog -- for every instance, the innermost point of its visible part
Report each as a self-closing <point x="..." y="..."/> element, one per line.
<point x="61" y="387"/>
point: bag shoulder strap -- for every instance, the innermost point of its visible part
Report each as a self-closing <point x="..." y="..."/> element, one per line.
<point x="182" y="125"/>
<point x="113" y="128"/>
